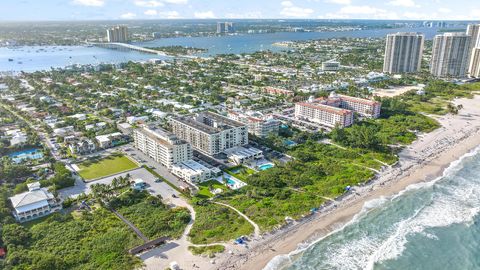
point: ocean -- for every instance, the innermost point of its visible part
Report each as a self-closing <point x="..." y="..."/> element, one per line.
<point x="429" y="226"/>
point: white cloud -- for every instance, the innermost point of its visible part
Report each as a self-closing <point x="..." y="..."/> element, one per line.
<point x="290" y="10"/>
<point x="158" y="3"/>
<point x="339" y="2"/>
<point x="204" y="15"/>
<point x="419" y="16"/>
<point x="128" y="15"/>
<point x="444" y="10"/>
<point x="403" y="3"/>
<point x="176" y="1"/>
<point x="90" y="3"/>
<point x="150" y="12"/>
<point x="361" y="12"/>
<point x="247" y="15"/>
<point x="170" y="14"/>
<point x="150" y="4"/>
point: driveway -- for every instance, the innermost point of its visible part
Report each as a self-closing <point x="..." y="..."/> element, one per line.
<point x="161" y="170"/>
<point x="160" y="188"/>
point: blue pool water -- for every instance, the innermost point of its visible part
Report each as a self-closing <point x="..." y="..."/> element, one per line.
<point x="230" y="181"/>
<point x="265" y="167"/>
<point x="29" y="154"/>
<point x="290" y="143"/>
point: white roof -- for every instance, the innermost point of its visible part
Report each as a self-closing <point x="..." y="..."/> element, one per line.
<point x="31" y="199"/>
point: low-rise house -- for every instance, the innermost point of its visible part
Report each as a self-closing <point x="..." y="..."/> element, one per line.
<point x="136" y="119"/>
<point x="35" y="203"/>
<point x="241" y="155"/>
<point x="79" y="116"/>
<point x="125" y="128"/>
<point x="64" y="131"/>
<point x="110" y="140"/>
<point x="82" y="147"/>
<point x="96" y="127"/>
<point x="18" y="138"/>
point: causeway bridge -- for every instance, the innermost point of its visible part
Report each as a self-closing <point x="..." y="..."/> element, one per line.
<point x="130" y="47"/>
<point x="127" y="47"/>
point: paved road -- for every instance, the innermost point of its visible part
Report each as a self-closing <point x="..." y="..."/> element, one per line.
<point x="161" y="188"/>
<point x="161" y="170"/>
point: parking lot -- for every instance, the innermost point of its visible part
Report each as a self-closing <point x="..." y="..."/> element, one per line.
<point x="155" y="188"/>
<point x="146" y="160"/>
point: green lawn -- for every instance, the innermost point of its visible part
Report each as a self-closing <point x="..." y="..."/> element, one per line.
<point x="204" y="187"/>
<point x="114" y="164"/>
<point x="240" y="172"/>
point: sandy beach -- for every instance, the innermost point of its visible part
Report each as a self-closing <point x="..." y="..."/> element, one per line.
<point x="424" y="160"/>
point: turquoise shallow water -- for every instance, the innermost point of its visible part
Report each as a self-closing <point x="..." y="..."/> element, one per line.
<point x="433" y="225"/>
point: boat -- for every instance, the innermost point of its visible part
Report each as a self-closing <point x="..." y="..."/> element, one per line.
<point x="10" y="60"/>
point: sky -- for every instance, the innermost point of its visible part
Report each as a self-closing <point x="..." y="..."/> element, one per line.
<point x="32" y="10"/>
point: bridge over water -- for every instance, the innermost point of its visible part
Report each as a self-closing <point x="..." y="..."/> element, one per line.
<point x="130" y="47"/>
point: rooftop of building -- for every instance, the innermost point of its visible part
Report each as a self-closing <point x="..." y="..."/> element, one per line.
<point x="221" y="122"/>
<point x="221" y="119"/>
<point x="32" y="199"/>
<point x="161" y="136"/>
<point x="189" y="121"/>
<point x="323" y="107"/>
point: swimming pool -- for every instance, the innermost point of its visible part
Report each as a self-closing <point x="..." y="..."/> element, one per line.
<point x="29" y="154"/>
<point x="232" y="182"/>
<point x="265" y="166"/>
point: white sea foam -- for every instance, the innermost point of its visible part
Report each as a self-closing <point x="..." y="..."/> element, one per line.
<point x="453" y="204"/>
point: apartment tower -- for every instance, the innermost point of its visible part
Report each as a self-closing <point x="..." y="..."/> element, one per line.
<point x="403" y="53"/>
<point x="450" y="55"/>
<point x="117" y="34"/>
<point x="473" y="30"/>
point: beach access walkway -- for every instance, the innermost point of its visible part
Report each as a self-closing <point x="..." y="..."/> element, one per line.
<point x="255" y="226"/>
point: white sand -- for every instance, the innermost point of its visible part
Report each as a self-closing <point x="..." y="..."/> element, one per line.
<point x="424" y="160"/>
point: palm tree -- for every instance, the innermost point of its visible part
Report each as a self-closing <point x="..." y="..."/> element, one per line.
<point x="115" y="183"/>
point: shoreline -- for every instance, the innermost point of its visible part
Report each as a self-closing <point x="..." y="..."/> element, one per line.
<point x="423" y="161"/>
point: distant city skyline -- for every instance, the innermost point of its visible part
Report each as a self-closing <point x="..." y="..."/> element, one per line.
<point x="31" y="10"/>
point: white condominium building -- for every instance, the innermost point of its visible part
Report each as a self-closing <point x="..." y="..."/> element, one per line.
<point x="474" y="69"/>
<point x="117" y="34"/>
<point x="450" y="55"/>
<point x="323" y="114"/>
<point x="473" y="30"/>
<point x="258" y="124"/>
<point x="192" y="172"/>
<point x="162" y="146"/>
<point x="364" y="107"/>
<point x="210" y="133"/>
<point x="403" y="53"/>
